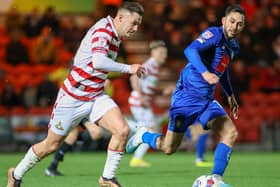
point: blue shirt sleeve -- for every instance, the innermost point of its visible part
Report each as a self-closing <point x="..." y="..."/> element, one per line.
<point x="206" y="40"/>
<point x="225" y="83"/>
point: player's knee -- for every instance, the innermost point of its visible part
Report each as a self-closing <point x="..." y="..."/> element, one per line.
<point x="169" y="150"/>
<point x="122" y="133"/>
<point x="98" y="135"/>
<point x="234" y="134"/>
<point x="230" y="134"/>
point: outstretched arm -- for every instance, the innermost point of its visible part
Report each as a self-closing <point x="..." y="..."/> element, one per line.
<point x="225" y="83"/>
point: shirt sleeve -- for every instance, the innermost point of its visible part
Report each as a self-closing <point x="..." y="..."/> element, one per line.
<point x="100" y="44"/>
<point x="225" y="83"/>
<point x="206" y="40"/>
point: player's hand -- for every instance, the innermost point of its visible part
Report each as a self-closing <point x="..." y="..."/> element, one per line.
<point x="137" y="69"/>
<point x="233" y="105"/>
<point x="168" y="89"/>
<point x="211" y="78"/>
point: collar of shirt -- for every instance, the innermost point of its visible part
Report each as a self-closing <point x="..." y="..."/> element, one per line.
<point x="110" y="19"/>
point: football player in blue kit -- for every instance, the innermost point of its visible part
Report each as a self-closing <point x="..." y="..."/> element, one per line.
<point x="193" y="100"/>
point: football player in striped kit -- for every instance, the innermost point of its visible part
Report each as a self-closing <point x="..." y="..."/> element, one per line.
<point x="82" y="94"/>
<point x="143" y="90"/>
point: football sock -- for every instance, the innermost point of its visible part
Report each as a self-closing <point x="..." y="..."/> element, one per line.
<point x="59" y="155"/>
<point x="221" y="158"/>
<point x="141" y="151"/>
<point x="201" y="146"/>
<point x="151" y="139"/>
<point x="112" y="163"/>
<point x="29" y="161"/>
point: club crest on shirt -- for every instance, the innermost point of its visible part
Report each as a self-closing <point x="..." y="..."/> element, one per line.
<point x="59" y="126"/>
<point x="204" y="36"/>
<point x="207" y="34"/>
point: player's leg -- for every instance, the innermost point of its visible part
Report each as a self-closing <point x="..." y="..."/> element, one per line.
<point x="177" y="126"/>
<point x="64" y="117"/>
<point x="59" y="154"/>
<point x="119" y="130"/>
<point x="228" y="135"/>
<point x="215" y="118"/>
<point x="144" y="117"/>
<point x="95" y="131"/>
<point x="36" y="153"/>
<point x="107" y="115"/>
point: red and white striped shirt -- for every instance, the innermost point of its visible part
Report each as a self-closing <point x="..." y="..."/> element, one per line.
<point x="85" y="82"/>
<point x="147" y="84"/>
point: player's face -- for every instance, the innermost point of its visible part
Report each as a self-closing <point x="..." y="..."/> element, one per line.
<point x="130" y="24"/>
<point x="233" y="24"/>
<point x="160" y="54"/>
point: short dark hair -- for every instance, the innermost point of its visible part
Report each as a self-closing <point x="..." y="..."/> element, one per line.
<point x="132" y="7"/>
<point x="235" y="8"/>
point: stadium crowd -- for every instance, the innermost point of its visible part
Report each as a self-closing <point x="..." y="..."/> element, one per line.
<point x="36" y="50"/>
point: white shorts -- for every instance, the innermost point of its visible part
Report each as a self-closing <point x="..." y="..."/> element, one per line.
<point x="68" y="111"/>
<point x="143" y="116"/>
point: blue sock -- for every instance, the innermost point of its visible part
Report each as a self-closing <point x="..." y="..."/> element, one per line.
<point x="201" y="146"/>
<point x="151" y="139"/>
<point x="221" y="158"/>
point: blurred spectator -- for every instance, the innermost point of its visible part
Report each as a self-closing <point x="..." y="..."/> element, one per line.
<point x="46" y="92"/>
<point x="13" y="20"/>
<point x="44" y="51"/>
<point x="59" y="75"/>
<point x="16" y="51"/>
<point x="9" y="98"/>
<point x="175" y="45"/>
<point x="250" y="8"/>
<point x="70" y="34"/>
<point x="276" y="48"/>
<point x="31" y="24"/>
<point x="49" y="19"/>
<point x="239" y="78"/>
<point x="29" y="96"/>
<point x="270" y="78"/>
<point x="246" y="53"/>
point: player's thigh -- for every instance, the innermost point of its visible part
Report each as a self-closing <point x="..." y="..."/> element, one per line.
<point x="67" y="113"/>
<point x="107" y="114"/>
<point x="94" y="130"/>
<point x="212" y="111"/>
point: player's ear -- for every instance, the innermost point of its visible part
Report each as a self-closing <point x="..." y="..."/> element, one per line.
<point x="223" y="20"/>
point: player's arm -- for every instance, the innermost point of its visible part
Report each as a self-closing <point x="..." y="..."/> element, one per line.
<point x="226" y="85"/>
<point x="206" y="40"/>
<point x="100" y="49"/>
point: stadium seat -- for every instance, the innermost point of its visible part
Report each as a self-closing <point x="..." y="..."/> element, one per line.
<point x="18" y="110"/>
<point x="40" y="110"/>
<point x="4" y="111"/>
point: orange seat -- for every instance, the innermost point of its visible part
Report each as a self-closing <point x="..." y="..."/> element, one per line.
<point x="40" y="111"/>
<point x="18" y="110"/>
<point x="4" y="111"/>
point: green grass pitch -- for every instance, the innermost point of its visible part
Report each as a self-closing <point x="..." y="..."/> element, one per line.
<point x="178" y="170"/>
